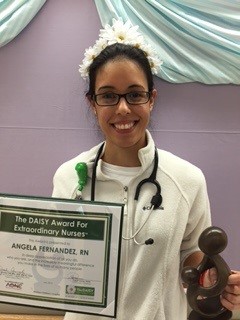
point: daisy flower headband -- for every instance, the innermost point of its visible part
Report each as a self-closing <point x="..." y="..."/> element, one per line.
<point x="122" y="33"/>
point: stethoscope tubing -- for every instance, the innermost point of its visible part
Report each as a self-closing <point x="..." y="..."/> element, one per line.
<point x="94" y="173"/>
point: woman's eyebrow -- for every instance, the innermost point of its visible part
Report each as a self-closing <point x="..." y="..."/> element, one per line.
<point x="112" y="87"/>
<point x="136" y="86"/>
<point x="105" y="87"/>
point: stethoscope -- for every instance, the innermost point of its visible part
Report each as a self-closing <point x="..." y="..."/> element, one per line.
<point x="156" y="200"/>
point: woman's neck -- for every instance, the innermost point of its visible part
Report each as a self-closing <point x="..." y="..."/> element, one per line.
<point x="124" y="157"/>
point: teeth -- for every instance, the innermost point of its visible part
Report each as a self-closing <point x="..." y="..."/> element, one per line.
<point x="124" y="126"/>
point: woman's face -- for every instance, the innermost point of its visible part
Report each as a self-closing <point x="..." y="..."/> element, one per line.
<point x="123" y="125"/>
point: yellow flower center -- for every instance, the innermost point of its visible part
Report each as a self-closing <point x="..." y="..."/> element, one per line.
<point x="121" y="37"/>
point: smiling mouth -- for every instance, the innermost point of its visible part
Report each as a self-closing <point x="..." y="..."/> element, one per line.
<point x="125" y="126"/>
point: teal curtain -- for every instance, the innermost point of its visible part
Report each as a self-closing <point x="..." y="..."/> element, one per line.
<point x="15" y="15"/>
<point x="198" y="40"/>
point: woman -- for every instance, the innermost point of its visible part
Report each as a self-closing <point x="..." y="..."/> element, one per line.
<point x="122" y="95"/>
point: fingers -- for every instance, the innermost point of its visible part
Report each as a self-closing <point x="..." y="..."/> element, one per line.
<point x="230" y="298"/>
<point x="234" y="278"/>
<point x="210" y="277"/>
<point x="230" y="301"/>
<point x="234" y="289"/>
<point x="213" y="276"/>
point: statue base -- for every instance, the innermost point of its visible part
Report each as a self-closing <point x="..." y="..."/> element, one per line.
<point x="226" y="315"/>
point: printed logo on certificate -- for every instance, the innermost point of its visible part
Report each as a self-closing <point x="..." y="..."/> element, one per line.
<point x="60" y="254"/>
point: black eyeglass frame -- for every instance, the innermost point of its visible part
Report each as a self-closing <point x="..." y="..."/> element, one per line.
<point x="125" y="95"/>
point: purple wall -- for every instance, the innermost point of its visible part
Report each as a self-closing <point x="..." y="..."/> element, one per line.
<point x="44" y="119"/>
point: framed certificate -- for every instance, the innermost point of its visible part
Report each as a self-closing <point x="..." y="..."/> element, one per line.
<point x="60" y="254"/>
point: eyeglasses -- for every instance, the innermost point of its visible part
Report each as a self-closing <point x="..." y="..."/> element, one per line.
<point x="112" y="99"/>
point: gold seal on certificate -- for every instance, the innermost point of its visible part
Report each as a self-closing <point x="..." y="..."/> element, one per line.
<point x="60" y="254"/>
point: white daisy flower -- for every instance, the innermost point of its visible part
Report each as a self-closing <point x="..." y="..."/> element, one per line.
<point x="91" y="53"/>
<point x="101" y="44"/>
<point x="83" y="69"/>
<point x="155" y="64"/>
<point x="119" y="32"/>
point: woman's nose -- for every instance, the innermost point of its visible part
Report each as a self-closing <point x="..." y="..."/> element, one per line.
<point x="123" y="106"/>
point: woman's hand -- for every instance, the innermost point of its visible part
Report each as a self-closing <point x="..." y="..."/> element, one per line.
<point x="230" y="297"/>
